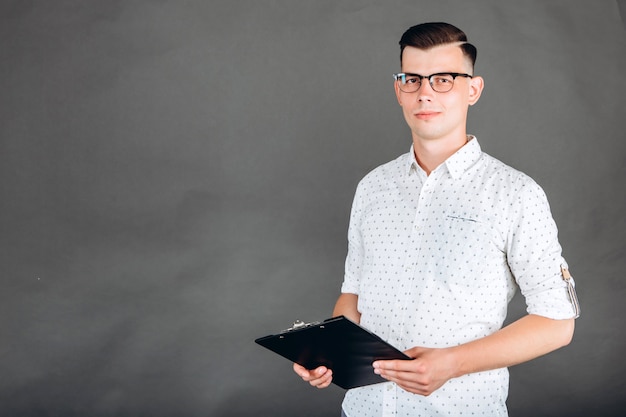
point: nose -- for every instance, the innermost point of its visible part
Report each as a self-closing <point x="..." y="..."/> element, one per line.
<point x="425" y="91"/>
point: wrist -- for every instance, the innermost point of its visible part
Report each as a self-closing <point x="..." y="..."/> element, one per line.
<point x="456" y="360"/>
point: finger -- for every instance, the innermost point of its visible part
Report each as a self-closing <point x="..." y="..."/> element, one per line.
<point x="320" y="370"/>
<point x="301" y="371"/>
<point x="405" y="381"/>
<point x="390" y="374"/>
<point x="323" y="380"/>
<point x="315" y="376"/>
<point x="402" y="378"/>
<point x="325" y="384"/>
<point x="392" y="365"/>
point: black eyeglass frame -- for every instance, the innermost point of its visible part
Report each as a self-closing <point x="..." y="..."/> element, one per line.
<point x="402" y="76"/>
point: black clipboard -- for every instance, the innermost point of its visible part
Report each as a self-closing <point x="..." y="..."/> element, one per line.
<point x="337" y="343"/>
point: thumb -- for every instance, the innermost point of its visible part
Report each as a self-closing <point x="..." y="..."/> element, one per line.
<point x="414" y="352"/>
<point x="320" y="370"/>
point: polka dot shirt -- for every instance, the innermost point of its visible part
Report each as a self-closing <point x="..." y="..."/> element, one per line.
<point x="435" y="261"/>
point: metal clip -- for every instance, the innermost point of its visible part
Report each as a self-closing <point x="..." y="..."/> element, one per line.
<point x="299" y="324"/>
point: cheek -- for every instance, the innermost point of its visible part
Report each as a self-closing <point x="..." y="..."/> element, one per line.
<point x="455" y="105"/>
<point x="407" y="111"/>
<point x="403" y="100"/>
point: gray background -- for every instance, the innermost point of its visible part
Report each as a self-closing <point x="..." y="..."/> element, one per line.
<point x="176" y="180"/>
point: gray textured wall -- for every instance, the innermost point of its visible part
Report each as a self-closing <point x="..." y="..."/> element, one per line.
<point x="176" y="179"/>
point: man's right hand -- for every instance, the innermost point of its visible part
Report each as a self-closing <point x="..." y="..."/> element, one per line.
<point x="320" y="377"/>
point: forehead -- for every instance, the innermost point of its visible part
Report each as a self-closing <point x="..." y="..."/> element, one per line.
<point x="443" y="58"/>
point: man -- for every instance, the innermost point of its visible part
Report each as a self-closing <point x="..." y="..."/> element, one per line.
<point x="439" y="240"/>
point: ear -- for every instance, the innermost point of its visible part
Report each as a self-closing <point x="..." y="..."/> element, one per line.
<point x="476" y="88"/>
<point x="397" y="90"/>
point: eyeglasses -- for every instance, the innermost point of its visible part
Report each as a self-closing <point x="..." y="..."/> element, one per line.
<point x="441" y="82"/>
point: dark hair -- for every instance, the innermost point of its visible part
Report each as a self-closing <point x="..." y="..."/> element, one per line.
<point x="428" y="35"/>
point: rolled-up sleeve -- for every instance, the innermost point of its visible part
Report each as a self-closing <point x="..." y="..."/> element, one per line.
<point x="354" y="259"/>
<point x="534" y="255"/>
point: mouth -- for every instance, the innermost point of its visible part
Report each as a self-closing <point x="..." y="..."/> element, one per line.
<point x="426" y="114"/>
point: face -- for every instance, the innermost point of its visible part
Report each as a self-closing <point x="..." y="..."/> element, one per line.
<point x="438" y="116"/>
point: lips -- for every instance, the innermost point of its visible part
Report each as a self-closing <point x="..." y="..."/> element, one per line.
<point x="426" y="114"/>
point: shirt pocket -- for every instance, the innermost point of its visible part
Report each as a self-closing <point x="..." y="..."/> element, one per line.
<point x="469" y="251"/>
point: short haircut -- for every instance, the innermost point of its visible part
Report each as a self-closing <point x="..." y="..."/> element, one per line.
<point x="428" y="35"/>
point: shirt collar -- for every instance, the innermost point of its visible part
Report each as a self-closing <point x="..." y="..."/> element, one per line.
<point x="411" y="162"/>
<point x="456" y="164"/>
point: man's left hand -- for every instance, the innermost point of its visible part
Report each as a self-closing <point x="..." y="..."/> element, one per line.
<point x="424" y="374"/>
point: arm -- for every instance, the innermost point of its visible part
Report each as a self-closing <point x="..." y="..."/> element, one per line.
<point x="322" y="377"/>
<point x="527" y="338"/>
<point x="346" y="305"/>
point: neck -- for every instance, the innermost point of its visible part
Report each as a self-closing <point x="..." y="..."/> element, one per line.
<point x="432" y="153"/>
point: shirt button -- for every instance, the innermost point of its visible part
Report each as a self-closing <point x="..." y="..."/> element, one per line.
<point x="389" y="387"/>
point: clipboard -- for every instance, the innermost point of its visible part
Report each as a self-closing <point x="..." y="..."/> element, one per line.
<point x="337" y="343"/>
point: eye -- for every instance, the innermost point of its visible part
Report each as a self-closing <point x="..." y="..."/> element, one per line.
<point x="443" y="79"/>
<point x="412" y="80"/>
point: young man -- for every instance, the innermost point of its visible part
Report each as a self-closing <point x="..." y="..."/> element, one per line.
<point x="439" y="240"/>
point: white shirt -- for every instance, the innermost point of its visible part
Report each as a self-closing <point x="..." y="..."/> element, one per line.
<point x="435" y="261"/>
